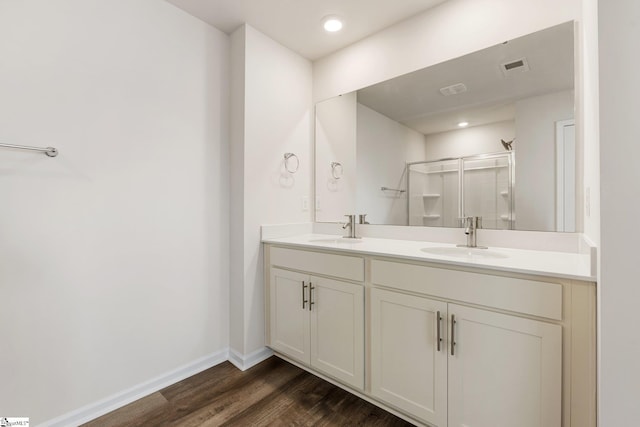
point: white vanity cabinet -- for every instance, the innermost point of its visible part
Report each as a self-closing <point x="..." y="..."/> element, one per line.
<point x="318" y="321"/>
<point x="492" y="369"/>
<point x="409" y="354"/>
<point x="441" y="346"/>
<point x="289" y="320"/>
<point x="503" y="370"/>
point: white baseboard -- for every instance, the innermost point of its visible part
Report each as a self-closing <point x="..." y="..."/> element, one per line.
<point x="244" y="362"/>
<point x="118" y="400"/>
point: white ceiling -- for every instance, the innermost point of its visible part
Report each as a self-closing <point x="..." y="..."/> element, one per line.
<point x="415" y="99"/>
<point x="297" y="24"/>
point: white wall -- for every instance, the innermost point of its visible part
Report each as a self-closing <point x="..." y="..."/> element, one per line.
<point x="113" y="255"/>
<point x="276" y="120"/>
<point x="587" y="129"/>
<point x="470" y="141"/>
<point x="535" y="147"/>
<point x="451" y="29"/>
<point x="336" y="133"/>
<point x="588" y="115"/>
<point x="619" y="153"/>
<point x="237" y="194"/>
<point x="384" y="146"/>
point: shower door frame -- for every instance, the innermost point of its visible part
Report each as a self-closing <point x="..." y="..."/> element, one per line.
<point x="510" y="155"/>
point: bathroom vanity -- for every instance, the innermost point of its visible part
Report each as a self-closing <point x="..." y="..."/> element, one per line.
<point x="439" y="335"/>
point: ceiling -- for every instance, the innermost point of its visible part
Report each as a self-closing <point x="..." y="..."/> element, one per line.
<point x="415" y="100"/>
<point x="297" y="24"/>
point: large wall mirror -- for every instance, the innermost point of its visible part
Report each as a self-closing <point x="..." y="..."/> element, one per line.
<point x="489" y="134"/>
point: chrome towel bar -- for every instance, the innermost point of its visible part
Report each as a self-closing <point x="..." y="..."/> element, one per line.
<point x="392" y="189"/>
<point x="49" y="151"/>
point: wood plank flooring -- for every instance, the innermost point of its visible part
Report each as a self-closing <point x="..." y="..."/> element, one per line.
<point x="272" y="393"/>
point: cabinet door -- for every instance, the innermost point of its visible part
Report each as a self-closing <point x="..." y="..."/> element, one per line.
<point x="505" y="371"/>
<point x="289" y="315"/>
<point x="407" y="369"/>
<point x="337" y="330"/>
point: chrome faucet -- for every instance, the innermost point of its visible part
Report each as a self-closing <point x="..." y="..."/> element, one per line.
<point x="471" y="225"/>
<point x="363" y="219"/>
<point x="351" y="225"/>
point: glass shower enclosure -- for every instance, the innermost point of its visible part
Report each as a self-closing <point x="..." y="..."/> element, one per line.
<point x="441" y="192"/>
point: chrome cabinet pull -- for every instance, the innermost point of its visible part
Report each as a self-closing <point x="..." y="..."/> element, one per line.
<point x="453" y="330"/>
<point x="304" y="301"/>
<point x="438" y="338"/>
<point x="311" y="288"/>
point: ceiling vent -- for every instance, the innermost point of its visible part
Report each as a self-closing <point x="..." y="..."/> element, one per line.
<point x="514" y="67"/>
<point x="453" y="89"/>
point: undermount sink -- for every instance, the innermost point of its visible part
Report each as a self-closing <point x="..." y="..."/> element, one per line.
<point x="337" y="241"/>
<point x="466" y="253"/>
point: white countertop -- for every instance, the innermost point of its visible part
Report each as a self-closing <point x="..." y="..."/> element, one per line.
<point x="542" y="263"/>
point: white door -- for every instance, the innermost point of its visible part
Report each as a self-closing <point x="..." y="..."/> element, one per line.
<point x="505" y="371"/>
<point x="408" y="370"/>
<point x="289" y="314"/>
<point x="565" y="176"/>
<point x="337" y="330"/>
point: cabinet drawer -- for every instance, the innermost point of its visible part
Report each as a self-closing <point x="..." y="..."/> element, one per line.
<point x="519" y="295"/>
<point x="344" y="267"/>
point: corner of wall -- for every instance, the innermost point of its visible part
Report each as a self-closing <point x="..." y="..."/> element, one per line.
<point x="589" y="114"/>
<point x="247" y="361"/>
<point x="236" y="202"/>
<point x="270" y="116"/>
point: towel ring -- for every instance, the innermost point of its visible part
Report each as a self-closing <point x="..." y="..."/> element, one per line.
<point x="336" y="170"/>
<point x="287" y="157"/>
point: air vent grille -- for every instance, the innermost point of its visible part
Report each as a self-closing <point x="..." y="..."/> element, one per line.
<point x="514" y="67"/>
<point x="453" y="89"/>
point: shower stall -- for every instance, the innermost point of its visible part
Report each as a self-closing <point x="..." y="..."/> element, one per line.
<point x="441" y="192"/>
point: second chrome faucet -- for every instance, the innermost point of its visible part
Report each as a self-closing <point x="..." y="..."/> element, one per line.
<point x="351" y="225"/>
<point x="471" y="225"/>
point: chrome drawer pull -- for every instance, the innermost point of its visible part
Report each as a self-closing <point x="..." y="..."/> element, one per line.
<point x="304" y="301"/>
<point x="453" y="330"/>
<point x="439" y="338"/>
<point x="311" y="288"/>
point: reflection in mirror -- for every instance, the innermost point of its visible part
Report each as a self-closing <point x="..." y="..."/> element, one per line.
<point x="487" y="186"/>
<point x="441" y="192"/>
<point x="503" y="116"/>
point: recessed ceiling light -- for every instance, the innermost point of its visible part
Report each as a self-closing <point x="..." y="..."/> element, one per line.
<point x="463" y="124"/>
<point x="332" y="23"/>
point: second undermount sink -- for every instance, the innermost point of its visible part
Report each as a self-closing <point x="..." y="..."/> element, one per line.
<point x="465" y="253"/>
<point x="337" y="241"/>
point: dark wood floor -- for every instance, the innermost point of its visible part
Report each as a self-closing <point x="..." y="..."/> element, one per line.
<point x="273" y="393"/>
